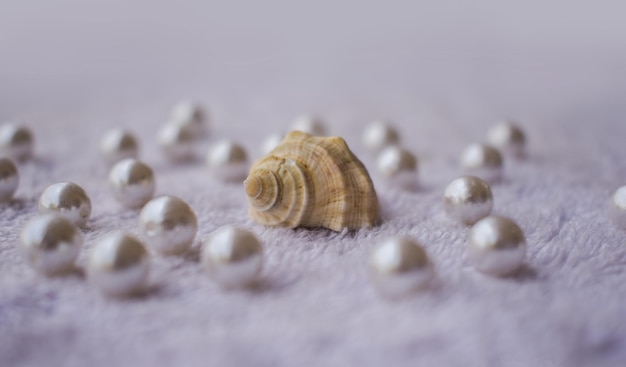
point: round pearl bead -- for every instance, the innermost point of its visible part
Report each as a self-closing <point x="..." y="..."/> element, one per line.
<point x="228" y="161"/>
<point x="271" y="142"/>
<point x="51" y="243"/>
<point x="508" y="138"/>
<point x="400" y="266"/>
<point x="16" y="142"/>
<point x="132" y="183"/>
<point x="177" y="141"/>
<point x="399" y="166"/>
<point x="118" y="144"/>
<point x="191" y="116"/>
<point x="9" y="179"/>
<point x="483" y="162"/>
<point x="379" y="135"/>
<point x="618" y="207"/>
<point x="310" y="124"/>
<point x="168" y="224"/>
<point x="496" y="246"/>
<point x="119" y="264"/>
<point x="468" y="199"/>
<point x="67" y="199"/>
<point x="233" y="256"/>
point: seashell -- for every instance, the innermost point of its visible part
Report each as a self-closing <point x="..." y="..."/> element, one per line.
<point x="310" y="181"/>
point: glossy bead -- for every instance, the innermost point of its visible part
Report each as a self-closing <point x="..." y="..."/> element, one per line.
<point x="468" y="199"/>
<point x="496" y="246"/>
<point x="483" y="162"/>
<point x="398" y="166"/>
<point x="67" y="199"/>
<point x="271" y="142"/>
<point x="9" y="179"/>
<point x="310" y="124"/>
<point x="118" y="144"/>
<point x="16" y="142"/>
<point x="168" y="225"/>
<point x="228" y="161"/>
<point x="618" y="207"/>
<point x="233" y="256"/>
<point x="508" y="138"/>
<point x="50" y="244"/>
<point x="191" y="116"/>
<point x="119" y="265"/>
<point x="132" y="183"/>
<point x="400" y="266"/>
<point x="177" y="141"/>
<point x="379" y="135"/>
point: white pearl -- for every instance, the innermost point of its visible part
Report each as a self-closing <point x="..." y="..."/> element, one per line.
<point x="400" y="266"/>
<point x="468" y="199"/>
<point x="508" y="138"/>
<point x="67" y="199"/>
<point x="399" y="167"/>
<point x="483" y="162"/>
<point x="118" y="144"/>
<point x="618" y="207"/>
<point x="233" y="256"/>
<point x="16" y="142"/>
<point x="9" y="179"/>
<point x="51" y="243"/>
<point x="496" y="246"/>
<point x="271" y="142"/>
<point x="168" y="224"/>
<point x="379" y="135"/>
<point x="119" y="264"/>
<point x="310" y="124"/>
<point x="177" y="141"/>
<point x="132" y="183"/>
<point x="228" y="161"/>
<point x="191" y="116"/>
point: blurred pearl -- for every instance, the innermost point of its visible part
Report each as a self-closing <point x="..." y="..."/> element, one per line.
<point x="177" y="142"/>
<point x="228" y="161"/>
<point x="618" y="207"/>
<point x="9" y="179"/>
<point x="400" y="266"/>
<point x="496" y="246"/>
<point x="310" y="124"/>
<point x="51" y="243"/>
<point x="483" y="162"/>
<point x="399" y="166"/>
<point x="119" y="264"/>
<point x="379" y="135"/>
<point x="168" y="224"/>
<point x="271" y="142"/>
<point x="16" y="142"/>
<point x="233" y="256"/>
<point x="468" y="199"/>
<point x="67" y="199"/>
<point x="507" y="138"/>
<point x="191" y="116"/>
<point x="132" y="183"/>
<point x="118" y="144"/>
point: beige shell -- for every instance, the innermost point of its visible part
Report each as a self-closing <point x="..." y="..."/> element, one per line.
<point x="310" y="181"/>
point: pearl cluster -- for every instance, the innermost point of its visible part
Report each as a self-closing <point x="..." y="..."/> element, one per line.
<point x="397" y="165"/>
<point x="119" y="263"/>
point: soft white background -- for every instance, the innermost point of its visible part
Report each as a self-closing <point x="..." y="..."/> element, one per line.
<point x="441" y="71"/>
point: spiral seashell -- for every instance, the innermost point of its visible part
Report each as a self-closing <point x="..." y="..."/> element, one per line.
<point x="310" y="181"/>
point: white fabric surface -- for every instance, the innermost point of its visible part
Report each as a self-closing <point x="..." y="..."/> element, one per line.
<point x="443" y="73"/>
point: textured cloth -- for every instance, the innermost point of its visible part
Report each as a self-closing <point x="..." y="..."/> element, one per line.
<point x="443" y="74"/>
